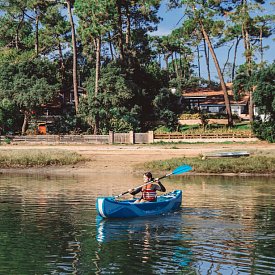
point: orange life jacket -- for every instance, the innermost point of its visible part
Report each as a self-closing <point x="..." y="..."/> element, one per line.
<point x="148" y="193"/>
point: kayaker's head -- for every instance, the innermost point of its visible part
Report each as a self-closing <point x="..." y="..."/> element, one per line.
<point x="147" y="176"/>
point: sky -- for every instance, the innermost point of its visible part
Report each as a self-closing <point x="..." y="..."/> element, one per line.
<point x="173" y="19"/>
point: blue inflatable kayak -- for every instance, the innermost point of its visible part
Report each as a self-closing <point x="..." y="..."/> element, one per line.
<point x="108" y="207"/>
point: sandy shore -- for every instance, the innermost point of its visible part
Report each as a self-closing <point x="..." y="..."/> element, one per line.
<point x="124" y="158"/>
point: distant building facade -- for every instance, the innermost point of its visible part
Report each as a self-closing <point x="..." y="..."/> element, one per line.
<point x="212" y="101"/>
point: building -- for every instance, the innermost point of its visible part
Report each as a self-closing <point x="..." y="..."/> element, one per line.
<point x="212" y="101"/>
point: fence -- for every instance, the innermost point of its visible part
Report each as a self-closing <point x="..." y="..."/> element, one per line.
<point x="62" y="139"/>
<point x="129" y="138"/>
<point x="121" y="138"/>
<point x="203" y="136"/>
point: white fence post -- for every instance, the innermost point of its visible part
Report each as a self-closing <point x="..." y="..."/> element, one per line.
<point x="131" y="137"/>
<point x="111" y="137"/>
<point x="150" y="136"/>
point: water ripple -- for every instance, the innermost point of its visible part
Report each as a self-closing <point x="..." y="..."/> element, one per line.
<point x="49" y="226"/>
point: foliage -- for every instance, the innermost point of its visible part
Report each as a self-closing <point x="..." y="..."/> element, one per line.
<point x="16" y="37"/>
<point x="114" y="105"/>
<point x="114" y="37"/>
<point x="67" y="123"/>
<point x="264" y="98"/>
<point x="262" y="83"/>
<point x="54" y="32"/>
<point x="243" y="83"/>
<point x="191" y="83"/>
<point x="10" y="121"/>
<point x="167" y="107"/>
<point x="207" y="115"/>
<point x="29" y="84"/>
<point x="162" y="130"/>
<point x="264" y="130"/>
<point x="264" y="94"/>
<point x="189" y="116"/>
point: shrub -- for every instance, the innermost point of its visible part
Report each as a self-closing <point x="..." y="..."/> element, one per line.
<point x="189" y="116"/>
<point x="264" y="130"/>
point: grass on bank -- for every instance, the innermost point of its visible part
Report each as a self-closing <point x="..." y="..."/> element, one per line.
<point x="37" y="158"/>
<point x="251" y="165"/>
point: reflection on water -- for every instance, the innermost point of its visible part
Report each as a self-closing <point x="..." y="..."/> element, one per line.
<point x="156" y="242"/>
<point x="153" y="228"/>
<point x="48" y="225"/>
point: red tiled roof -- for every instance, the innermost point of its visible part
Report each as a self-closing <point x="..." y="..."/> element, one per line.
<point x="214" y="97"/>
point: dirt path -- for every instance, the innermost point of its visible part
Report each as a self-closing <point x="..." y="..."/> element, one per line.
<point x="124" y="158"/>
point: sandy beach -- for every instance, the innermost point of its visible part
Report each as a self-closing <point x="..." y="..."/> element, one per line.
<point x="125" y="158"/>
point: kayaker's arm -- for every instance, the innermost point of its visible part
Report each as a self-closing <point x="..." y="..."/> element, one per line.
<point x="162" y="188"/>
<point x="135" y="191"/>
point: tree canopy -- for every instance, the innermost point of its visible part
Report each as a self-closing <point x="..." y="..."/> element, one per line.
<point x="108" y="50"/>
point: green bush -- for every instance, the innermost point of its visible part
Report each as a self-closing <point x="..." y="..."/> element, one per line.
<point x="162" y="130"/>
<point x="7" y="140"/>
<point x="264" y="130"/>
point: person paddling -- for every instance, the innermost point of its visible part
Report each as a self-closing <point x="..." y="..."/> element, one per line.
<point x="149" y="191"/>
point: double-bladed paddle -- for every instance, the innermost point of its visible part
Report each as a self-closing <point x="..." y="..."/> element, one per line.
<point x="179" y="170"/>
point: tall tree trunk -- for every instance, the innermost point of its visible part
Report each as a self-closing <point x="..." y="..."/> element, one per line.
<point x="227" y="59"/>
<point x="61" y="70"/>
<point x="17" y="40"/>
<point x="111" y="47"/>
<point x="97" y="76"/>
<point x="75" y="80"/>
<point x="235" y="57"/>
<point x="173" y="63"/>
<point x="199" y="61"/>
<point x="128" y="26"/>
<point x="97" y="67"/>
<point x="185" y="69"/>
<point x="180" y="67"/>
<point x="261" y="45"/>
<point x="248" y="70"/>
<point x="248" y="58"/>
<point x="226" y="98"/>
<point x="207" y="61"/>
<point x="166" y="57"/>
<point x="120" y="33"/>
<point x="25" y="122"/>
<point x="176" y="66"/>
<point x="128" y="35"/>
<point x="36" y="33"/>
<point x="61" y="61"/>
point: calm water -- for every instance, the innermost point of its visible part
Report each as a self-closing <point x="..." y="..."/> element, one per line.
<point x="48" y="225"/>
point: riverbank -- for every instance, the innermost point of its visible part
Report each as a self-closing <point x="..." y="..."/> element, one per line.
<point x="25" y="158"/>
<point x="255" y="164"/>
<point x="130" y="158"/>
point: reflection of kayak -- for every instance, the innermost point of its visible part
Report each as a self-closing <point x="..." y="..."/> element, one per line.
<point x="108" y="207"/>
<point x="168" y="226"/>
<point x="145" y="238"/>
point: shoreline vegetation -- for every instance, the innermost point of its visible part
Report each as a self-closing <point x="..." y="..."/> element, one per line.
<point x="25" y="158"/>
<point x="259" y="162"/>
<point x="260" y="165"/>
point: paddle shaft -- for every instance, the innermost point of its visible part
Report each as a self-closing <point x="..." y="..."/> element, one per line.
<point x="126" y="192"/>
